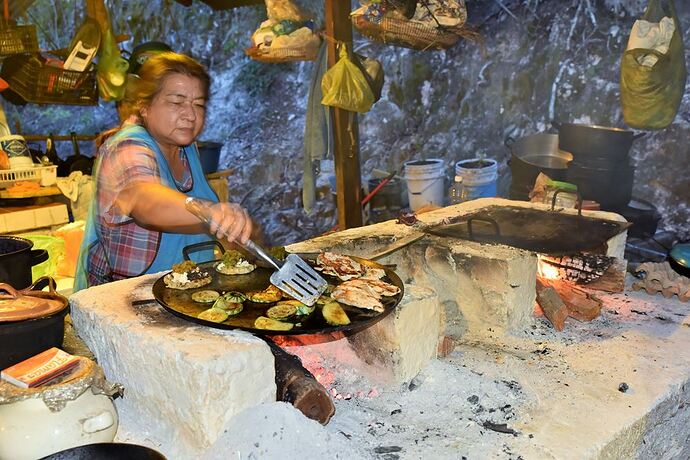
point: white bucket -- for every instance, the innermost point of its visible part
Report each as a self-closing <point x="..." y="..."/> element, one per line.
<point x="425" y="182"/>
<point x="477" y="182"/>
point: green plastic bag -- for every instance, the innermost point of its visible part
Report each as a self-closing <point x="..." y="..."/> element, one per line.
<point x="651" y="96"/>
<point x="111" y="70"/>
<point x="345" y="86"/>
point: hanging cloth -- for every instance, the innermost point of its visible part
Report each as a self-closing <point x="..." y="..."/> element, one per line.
<point x="653" y="81"/>
<point x="318" y="137"/>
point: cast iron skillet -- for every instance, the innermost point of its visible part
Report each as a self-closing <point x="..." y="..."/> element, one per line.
<point x="179" y="302"/>
<point x="107" y="451"/>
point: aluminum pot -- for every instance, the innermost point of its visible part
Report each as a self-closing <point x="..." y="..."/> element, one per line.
<point x="594" y="140"/>
<point x="16" y="260"/>
<point x="531" y="155"/>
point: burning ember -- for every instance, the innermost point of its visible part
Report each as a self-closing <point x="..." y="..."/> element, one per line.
<point x="546" y="270"/>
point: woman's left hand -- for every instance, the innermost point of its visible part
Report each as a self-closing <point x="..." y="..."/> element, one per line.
<point x="230" y="221"/>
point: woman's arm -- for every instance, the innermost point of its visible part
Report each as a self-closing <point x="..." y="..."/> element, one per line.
<point x="161" y="208"/>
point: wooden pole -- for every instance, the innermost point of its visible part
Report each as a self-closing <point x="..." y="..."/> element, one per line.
<point x="345" y="127"/>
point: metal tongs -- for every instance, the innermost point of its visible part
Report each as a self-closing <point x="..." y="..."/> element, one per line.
<point x="294" y="276"/>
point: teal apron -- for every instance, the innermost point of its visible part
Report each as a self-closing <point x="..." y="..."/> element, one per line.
<point x="170" y="244"/>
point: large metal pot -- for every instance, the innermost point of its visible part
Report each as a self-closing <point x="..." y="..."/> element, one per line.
<point x="16" y="260"/>
<point x="594" y="140"/>
<point x="532" y="155"/>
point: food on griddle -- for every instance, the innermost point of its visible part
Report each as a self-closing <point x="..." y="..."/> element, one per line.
<point x="268" y="295"/>
<point x="302" y="309"/>
<point x="215" y="315"/>
<point x="334" y="314"/>
<point x="234" y="263"/>
<point x="205" y="296"/>
<point x="359" y="297"/>
<point x="342" y="267"/>
<point x="281" y="311"/>
<point x="271" y="324"/>
<point x="379" y="287"/>
<point x="374" y="273"/>
<point x="187" y="275"/>
<point x="234" y="296"/>
<point x="228" y="306"/>
<point x="324" y="299"/>
<point x="278" y="252"/>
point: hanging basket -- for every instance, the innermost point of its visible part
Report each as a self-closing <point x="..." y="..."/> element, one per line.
<point x="278" y="55"/>
<point x="39" y="83"/>
<point x="17" y="39"/>
<point x="412" y="34"/>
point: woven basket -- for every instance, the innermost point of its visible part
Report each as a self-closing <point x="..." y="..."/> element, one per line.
<point x="411" y="34"/>
<point x="279" y="55"/>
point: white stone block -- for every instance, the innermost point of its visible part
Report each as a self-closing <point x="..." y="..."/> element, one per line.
<point x="403" y="343"/>
<point x="183" y="382"/>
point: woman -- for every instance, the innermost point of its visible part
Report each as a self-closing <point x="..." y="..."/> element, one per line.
<point x="138" y="222"/>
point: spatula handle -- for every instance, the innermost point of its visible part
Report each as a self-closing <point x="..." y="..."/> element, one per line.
<point x="202" y="210"/>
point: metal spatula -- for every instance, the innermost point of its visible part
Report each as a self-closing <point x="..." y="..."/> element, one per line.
<point x="294" y="276"/>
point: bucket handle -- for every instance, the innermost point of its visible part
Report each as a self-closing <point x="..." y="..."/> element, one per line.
<point x="427" y="187"/>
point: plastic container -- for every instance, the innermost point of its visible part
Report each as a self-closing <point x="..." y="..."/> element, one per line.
<point x="478" y="177"/>
<point x="425" y="182"/>
<point x="456" y="191"/>
<point x="56" y="251"/>
<point x="72" y="234"/>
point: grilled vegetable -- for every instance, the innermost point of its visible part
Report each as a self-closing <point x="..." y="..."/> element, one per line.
<point x="234" y="296"/>
<point x="302" y="309"/>
<point x="215" y="315"/>
<point x="334" y="314"/>
<point x="281" y="311"/>
<point x="271" y="324"/>
<point x="230" y="308"/>
<point x="205" y="296"/>
<point x="268" y="295"/>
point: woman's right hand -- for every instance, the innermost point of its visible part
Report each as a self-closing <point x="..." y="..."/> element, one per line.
<point x="230" y="221"/>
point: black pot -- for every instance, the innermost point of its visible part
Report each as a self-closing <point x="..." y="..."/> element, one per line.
<point x="612" y="189"/>
<point x="20" y="340"/>
<point x="107" y="451"/>
<point x="598" y="141"/>
<point x="643" y="215"/>
<point x="16" y="260"/>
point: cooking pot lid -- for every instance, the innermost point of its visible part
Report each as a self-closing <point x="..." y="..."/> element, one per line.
<point x="28" y="304"/>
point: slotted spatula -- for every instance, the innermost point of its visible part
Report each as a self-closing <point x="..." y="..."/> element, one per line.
<point x="294" y="276"/>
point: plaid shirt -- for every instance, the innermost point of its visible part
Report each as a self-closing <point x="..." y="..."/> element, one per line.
<point x="125" y="249"/>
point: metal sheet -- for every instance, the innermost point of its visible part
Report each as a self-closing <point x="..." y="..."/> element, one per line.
<point x="180" y="303"/>
<point x="546" y="232"/>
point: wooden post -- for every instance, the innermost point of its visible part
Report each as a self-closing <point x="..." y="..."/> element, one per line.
<point x="345" y="127"/>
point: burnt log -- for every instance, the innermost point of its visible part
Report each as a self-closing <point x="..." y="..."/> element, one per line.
<point x="297" y="386"/>
<point x="551" y="304"/>
<point x="581" y="305"/>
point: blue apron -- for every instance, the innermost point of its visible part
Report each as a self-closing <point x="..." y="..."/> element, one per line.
<point x="170" y="244"/>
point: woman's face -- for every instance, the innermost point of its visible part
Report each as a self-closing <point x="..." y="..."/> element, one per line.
<point x="176" y="114"/>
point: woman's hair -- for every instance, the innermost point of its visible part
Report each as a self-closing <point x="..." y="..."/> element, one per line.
<point x="142" y="88"/>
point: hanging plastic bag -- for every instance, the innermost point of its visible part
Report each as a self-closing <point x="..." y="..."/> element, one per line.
<point x="345" y="86"/>
<point x="112" y="70"/>
<point x="653" y="81"/>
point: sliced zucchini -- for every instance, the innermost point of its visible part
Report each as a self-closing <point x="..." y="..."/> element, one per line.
<point x="234" y="296"/>
<point x="231" y="308"/>
<point x="215" y="315"/>
<point x="324" y="299"/>
<point x="205" y="296"/>
<point x="281" y="312"/>
<point x="271" y="324"/>
<point x="334" y="314"/>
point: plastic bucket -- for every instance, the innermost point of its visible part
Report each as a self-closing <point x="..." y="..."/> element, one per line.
<point x="209" y="153"/>
<point x="478" y="177"/>
<point x="425" y="182"/>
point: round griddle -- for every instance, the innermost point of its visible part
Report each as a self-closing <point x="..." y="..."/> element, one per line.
<point x="180" y="303"/>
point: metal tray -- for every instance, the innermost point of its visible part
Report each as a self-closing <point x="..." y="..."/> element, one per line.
<point x="180" y="303"/>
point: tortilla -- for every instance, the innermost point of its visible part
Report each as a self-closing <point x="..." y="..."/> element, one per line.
<point x="235" y="270"/>
<point x="172" y="283"/>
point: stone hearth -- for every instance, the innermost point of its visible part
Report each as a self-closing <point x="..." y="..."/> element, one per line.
<point x="185" y="383"/>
